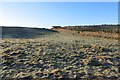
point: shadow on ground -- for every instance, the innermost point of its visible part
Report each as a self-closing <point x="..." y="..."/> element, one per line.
<point x="24" y="32"/>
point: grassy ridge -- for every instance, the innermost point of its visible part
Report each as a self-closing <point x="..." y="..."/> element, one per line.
<point x="95" y="28"/>
<point x="103" y="31"/>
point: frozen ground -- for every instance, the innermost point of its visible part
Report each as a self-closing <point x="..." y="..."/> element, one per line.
<point x="58" y="56"/>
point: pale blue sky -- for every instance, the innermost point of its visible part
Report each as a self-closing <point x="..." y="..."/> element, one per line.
<point x="46" y="14"/>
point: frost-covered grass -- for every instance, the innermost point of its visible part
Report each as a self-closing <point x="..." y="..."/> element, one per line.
<point x="60" y="56"/>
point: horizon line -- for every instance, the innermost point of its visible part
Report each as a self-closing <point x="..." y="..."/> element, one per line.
<point x="59" y="25"/>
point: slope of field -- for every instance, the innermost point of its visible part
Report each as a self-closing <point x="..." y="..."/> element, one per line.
<point x="24" y="32"/>
<point x="60" y="55"/>
<point x="102" y="31"/>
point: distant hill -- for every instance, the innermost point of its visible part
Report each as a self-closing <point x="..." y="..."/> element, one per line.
<point x="24" y="32"/>
<point x="102" y="31"/>
<point x="95" y="28"/>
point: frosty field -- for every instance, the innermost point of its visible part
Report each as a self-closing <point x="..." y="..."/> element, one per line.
<point x="60" y="55"/>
